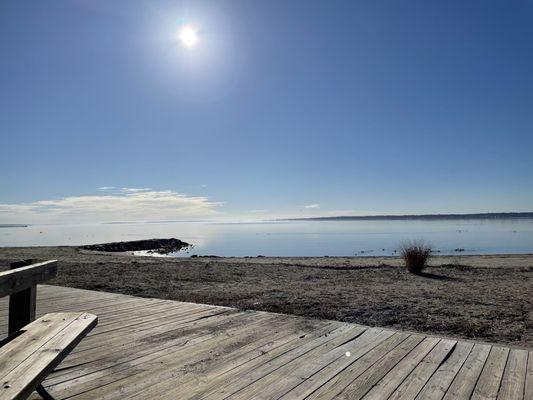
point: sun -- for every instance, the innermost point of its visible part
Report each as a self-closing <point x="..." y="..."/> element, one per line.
<point x="188" y="36"/>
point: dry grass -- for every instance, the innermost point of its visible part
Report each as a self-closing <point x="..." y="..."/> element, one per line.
<point x="416" y="255"/>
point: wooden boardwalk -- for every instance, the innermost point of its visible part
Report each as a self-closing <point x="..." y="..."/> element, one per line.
<point x="162" y="349"/>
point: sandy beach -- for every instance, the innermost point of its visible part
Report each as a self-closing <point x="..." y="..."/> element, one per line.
<point x="486" y="298"/>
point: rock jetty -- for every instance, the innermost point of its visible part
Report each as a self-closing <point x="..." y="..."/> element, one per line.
<point x="160" y="246"/>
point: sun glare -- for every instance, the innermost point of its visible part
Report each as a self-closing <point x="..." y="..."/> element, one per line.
<point x="188" y="36"/>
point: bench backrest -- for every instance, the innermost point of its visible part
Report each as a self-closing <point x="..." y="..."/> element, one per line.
<point x="20" y="284"/>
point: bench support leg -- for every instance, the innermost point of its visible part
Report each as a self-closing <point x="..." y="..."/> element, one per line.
<point x="21" y="304"/>
<point x="43" y="393"/>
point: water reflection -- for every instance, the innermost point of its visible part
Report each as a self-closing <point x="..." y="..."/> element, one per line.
<point x="295" y="238"/>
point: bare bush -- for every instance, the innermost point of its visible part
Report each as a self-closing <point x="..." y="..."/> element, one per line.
<point x="415" y="254"/>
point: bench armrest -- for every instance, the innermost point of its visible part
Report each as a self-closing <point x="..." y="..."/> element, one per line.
<point x="19" y="279"/>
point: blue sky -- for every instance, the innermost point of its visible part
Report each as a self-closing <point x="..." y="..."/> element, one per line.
<point x="283" y="108"/>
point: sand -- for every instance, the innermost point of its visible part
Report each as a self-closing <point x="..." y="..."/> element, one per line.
<point x="487" y="298"/>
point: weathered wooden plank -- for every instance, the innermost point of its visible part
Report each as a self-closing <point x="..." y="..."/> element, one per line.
<point x="514" y="376"/>
<point x="411" y="386"/>
<point x="489" y="381"/>
<point x="19" y="381"/>
<point x="435" y="388"/>
<point x="264" y="380"/>
<point x="152" y="320"/>
<point x="231" y="380"/>
<point x="161" y="388"/>
<point x="158" y="385"/>
<point x="467" y="376"/>
<point x="364" y="383"/>
<point x="225" y="369"/>
<point x="336" y="385"/>
<point x="33" y="336"/>
<point x="173" y="328"/>
<point x="73" y="306"/>
<point x="151" y="369"/>
<point x="386" y="386"/>
<point x="528" y="389"/>
<point x="345" y="356"/>
<point x="109" y="363"/>
<point x="289" y="376"/>
<point x="240" y="381"/>
<point x="107" y="313"/>
<point x="115" y="336"/>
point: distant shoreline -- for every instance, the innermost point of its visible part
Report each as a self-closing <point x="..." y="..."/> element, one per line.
<point x="386" y="217"/>
<point x="477" y="216"/>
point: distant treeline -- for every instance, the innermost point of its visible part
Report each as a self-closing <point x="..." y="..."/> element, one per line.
<point x="507" y="215"/>
<point x="13" y="226"/>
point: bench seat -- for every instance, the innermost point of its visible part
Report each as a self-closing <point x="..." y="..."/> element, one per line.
<point x="34" y="351"/>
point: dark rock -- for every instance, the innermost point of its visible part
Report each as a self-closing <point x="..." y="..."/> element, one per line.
<point x="160" y="246"/>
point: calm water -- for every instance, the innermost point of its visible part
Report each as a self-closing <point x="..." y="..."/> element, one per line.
<point x="298" y="238"/>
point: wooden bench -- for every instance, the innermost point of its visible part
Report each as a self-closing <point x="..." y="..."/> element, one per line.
<point x="33" y="347"/>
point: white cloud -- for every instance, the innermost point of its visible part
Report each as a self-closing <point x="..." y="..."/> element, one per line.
<point x="106" y="188"/>
<point x="312" y="206"/>
<point x="135" y="190"/>
<point x="131" y="205"/>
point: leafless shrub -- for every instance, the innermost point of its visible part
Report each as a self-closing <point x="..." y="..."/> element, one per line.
<point x="415" y="254"/>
